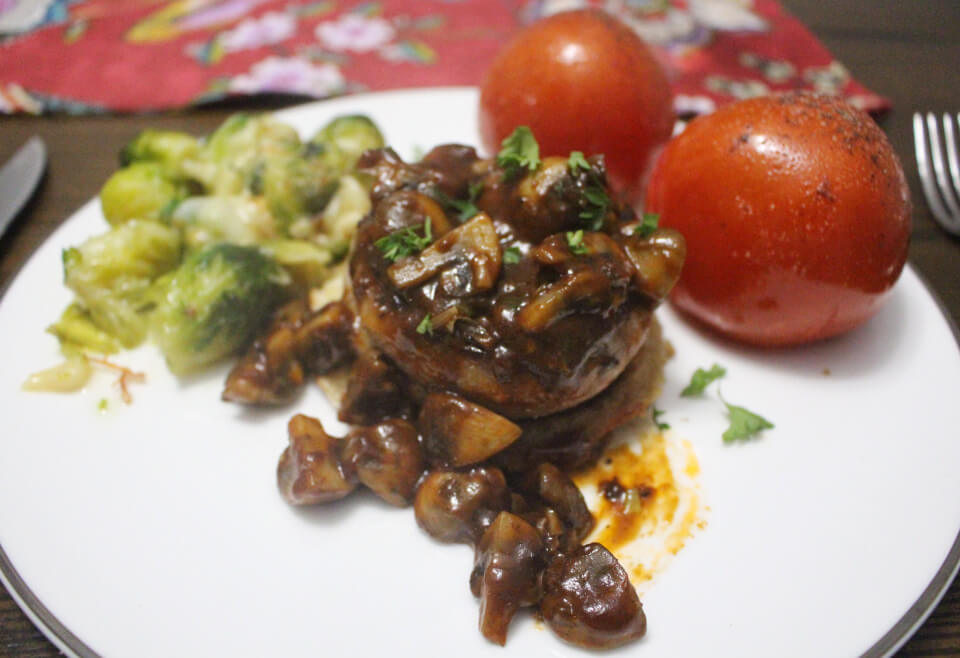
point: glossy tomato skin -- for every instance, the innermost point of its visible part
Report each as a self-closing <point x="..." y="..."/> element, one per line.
<point x="796" y="214"/>
<point x="581" y="80"/>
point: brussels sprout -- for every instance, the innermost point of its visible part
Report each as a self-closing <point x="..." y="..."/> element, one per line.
<point x="165" y="147"/>
<point x="306" y="262"/>
<point x="335" y="227"/>
<point x="140" y="191"/>
<point x="344" y="139"/>
<point x="77" y="332"/>
<point x="212" y="305"/>
<point x="236" y="219"/>
<point x="111" y="275"/>
<point x="297" y="187"/>
<point x="232" y="160"/>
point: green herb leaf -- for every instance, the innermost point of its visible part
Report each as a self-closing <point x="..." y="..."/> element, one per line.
<point x="649" y="224"/>
<point x="520" y="150"/>
<point x="511" y="255"/>
<point x="575" y="242"/>
<point x="656" y="420"/>
<point x="465" y="208"/>
<point x="404" y="242"/>
<point x="577" y="162"/>
<point x="425" y="326"/>
<point x="743" y="424"/>
<point x="701" y="379"/>
<point x="597" y="203"/>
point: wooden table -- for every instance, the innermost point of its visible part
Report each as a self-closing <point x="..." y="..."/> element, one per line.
<point x="908" y="51"/>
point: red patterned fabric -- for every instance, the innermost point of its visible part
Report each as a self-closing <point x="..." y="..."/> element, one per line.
<point x="137" y="55"/>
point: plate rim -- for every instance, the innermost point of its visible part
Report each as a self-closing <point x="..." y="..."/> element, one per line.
<point x="71" y="644"/>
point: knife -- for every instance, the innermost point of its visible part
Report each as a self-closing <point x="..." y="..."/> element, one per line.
<point x="19" y="178"/>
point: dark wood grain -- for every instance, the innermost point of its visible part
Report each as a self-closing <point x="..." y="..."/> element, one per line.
<point x="907" y="50"/>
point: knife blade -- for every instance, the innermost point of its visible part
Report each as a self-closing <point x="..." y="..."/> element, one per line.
<point x="19" y="178"/>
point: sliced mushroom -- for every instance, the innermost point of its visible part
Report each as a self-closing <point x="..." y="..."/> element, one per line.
<point x="472" y="250"/>
<point x="555" y="301"/>
<point x="455" y="506"/>
<point x="658" y="261"/>
<point x="457" y="432"/>
<point x="506" y="574"/>
<point x="311" y="469"/>
<point x="387" y="459"/>
<point x="588" y="599"/>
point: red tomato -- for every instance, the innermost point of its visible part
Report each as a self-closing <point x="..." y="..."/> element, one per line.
<point x="583" y="81"/>
<point x="796" y="214"/>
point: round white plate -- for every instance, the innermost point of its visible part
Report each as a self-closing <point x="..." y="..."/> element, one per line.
<point x="156" y="529"/>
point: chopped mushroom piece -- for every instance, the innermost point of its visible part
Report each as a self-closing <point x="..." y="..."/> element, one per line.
<point x="557" y="490"/>
<point x="297" y="343"/>
<point x="311" y="469"/>
<point x="458" y="507"/>
<point x="506" y="573"/>
<point x="387" y="459"/>
<point x="588" y="599"/>
<point x="457" y="432"/>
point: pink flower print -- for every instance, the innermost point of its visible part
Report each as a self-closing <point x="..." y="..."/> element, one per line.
<point x="290" y="75"/>
<point x="273" y="27"/>
<point x="355" y="33"/>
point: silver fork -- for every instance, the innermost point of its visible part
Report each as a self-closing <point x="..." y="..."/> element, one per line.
<point x="940" y="186"/>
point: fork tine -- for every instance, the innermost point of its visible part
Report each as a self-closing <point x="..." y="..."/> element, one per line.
<point x="953" y="159"/>
<point x="922" y="146"/>
<point x="940" y="169"/>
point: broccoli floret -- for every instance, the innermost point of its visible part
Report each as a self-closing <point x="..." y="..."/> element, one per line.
<point x="111" y="275"/>
<point x="213" y="304"/>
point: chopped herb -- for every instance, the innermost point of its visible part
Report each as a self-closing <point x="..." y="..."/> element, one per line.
<point x="520" y="150"/>
<point x="701" y="379"/>
<point x="576" y="162"/>
<point x="102" y="405"/>
<point x="425" y="326"/>
<point x="511" y="255"/>
<point x="575" y="242"/>
<point x="465" y="208"/>
<point x="404" y="242"/>
<point x="597" y="204"/>
<point x="649" y="224"/>
<point x="656" y="420"/>
<point x="743" y="424"/>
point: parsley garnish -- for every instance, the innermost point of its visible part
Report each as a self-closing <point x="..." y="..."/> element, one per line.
<point x="576" y="161"/>
<point x="656" y="420"/>
<point x="575" y="242"/>
<point x="743" y="424"/>
<point x="598" y="201"/>
<point x="425" y="326"/>
<point x="701" y="379"/>
<point x="649" y="224"/>
<point x="404" y="242"/>
<point x="520" y="150"/>
<point x="466" y="209"/>
<point x="511" y="255"/>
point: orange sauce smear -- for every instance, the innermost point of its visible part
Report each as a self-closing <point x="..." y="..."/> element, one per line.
<point x="644" y="495"/>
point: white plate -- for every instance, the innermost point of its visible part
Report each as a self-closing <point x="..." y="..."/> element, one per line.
<point x="157" y="530"/>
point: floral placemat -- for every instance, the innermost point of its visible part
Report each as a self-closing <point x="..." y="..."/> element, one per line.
<point x="84" y="56"/>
